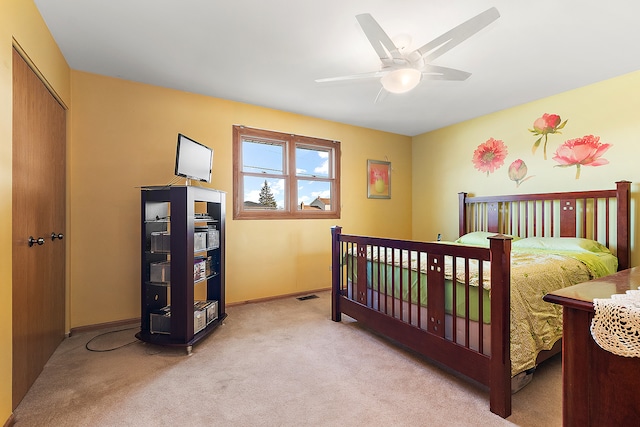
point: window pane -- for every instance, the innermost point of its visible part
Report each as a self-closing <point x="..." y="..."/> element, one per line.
<point x="263" y="194"/>
<point x="262" y="157"/>
<point x="314" y="195"/>
<point x="312" y="162"/>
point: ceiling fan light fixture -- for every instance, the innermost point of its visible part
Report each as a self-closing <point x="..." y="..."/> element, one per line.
<point x="401" y="81"/>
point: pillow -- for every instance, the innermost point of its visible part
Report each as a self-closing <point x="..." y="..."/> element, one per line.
<point x="574" y="244"/>
<point x="478" y="238"/>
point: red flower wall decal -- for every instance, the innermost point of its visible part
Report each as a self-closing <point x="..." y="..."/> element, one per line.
<point x="490" y="155"/>
<point x="543" y="126"/>
<point x="518" y="172"/>
<point x="585" y="151"/>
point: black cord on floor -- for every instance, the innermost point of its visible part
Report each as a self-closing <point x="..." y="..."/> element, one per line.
<point x="110" y="349"/>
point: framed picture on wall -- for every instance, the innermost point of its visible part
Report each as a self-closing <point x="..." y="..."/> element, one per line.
<point x="378" y="179"/>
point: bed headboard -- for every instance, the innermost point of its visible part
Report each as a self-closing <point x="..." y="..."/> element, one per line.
<point x="601" y="215"/>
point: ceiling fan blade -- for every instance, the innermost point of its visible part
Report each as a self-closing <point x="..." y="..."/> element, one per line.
<point x="381" y="96"/>
<point x="380" y="41"/>
<point x="371" y="75"/>
<point x="457" y="35"/>
<point x="435" y="72"/>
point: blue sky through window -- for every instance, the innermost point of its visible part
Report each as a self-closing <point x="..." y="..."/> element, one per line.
<point x="268" y="159"/>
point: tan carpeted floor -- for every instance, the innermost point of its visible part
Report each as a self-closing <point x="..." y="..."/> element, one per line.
<point x="275" y="363"/>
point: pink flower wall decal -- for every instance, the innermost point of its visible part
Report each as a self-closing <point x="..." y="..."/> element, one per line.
<point x="585" y="151"/>
<point x="543" y="126"/>
<point x="489" y="155"/>
<point x="518" y="172"/>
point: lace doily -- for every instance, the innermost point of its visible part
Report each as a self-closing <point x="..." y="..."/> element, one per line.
<point x="616" y="323"/>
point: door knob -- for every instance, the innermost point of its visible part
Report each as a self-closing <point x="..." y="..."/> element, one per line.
<point x="39" y="241"/>
<point x="55" y="236"/>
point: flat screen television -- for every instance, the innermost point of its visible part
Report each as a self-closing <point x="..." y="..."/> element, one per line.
<point x="193" y="160"/>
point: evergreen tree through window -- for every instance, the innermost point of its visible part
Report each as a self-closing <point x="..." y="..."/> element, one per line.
<point x="266" y="196"/>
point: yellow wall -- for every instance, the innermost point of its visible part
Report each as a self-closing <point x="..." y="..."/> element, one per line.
<point x="124" y="136"/>
<point x="442" y="164"/>
<point x="20" y="23"/>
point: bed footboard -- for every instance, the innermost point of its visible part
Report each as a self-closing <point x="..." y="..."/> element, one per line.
<point x="430" y="307"/>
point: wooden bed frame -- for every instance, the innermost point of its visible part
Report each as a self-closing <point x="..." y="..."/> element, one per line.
<point x="601" y="215"/>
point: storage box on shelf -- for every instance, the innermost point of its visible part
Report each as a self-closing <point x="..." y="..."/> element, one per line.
<point x="213" y="238"/>
<point x="200" y="239"/>
<point x="160" y="272"/>
<point x="160" y="241"/>
<point x="209" y="307"/>
<point x="204" y="312"/>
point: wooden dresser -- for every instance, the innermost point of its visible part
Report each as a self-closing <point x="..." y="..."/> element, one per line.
<point x="598" y="387"/>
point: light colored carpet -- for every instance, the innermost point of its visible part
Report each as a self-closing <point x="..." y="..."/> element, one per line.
<point x="275" y="363"/>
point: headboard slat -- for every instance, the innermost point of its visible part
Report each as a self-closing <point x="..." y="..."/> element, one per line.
<point x="567" y="218"/>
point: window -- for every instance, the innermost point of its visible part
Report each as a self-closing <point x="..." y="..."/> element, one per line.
<point x="283" y="176"/>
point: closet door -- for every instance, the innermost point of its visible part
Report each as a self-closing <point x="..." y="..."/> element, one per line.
<point x="39" y="138"/>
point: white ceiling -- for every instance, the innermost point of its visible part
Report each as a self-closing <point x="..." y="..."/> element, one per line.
<point x="270" y="52"/>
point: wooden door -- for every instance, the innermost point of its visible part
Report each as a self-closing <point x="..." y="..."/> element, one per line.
<point x="39" y="138"/>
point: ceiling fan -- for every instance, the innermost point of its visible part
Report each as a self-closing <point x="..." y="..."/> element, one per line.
<point x="401" y="71"/>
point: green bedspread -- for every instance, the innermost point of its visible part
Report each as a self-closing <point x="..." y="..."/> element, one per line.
<point x="535" y="324"/>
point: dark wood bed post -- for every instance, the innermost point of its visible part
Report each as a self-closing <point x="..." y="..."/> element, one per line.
<point x="462" y="214"/>
<point x="623" y="190"/>
<point x="500" y="365"/>
<point x="336" y="316"/>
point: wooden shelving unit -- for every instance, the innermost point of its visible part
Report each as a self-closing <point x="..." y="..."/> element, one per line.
<point x="182" y="226"/>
